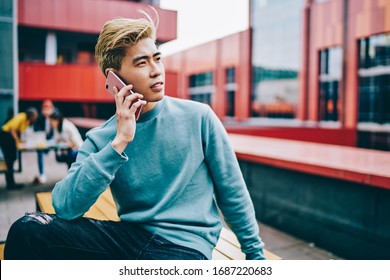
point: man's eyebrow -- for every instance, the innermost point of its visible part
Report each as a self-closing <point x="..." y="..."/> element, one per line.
<point x="137" y="58"/>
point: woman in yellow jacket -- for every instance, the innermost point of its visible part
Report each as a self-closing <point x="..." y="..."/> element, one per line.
<point x="10" y="138"/>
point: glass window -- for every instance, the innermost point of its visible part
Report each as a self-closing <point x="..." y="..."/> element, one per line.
<point x="374" y="51"/>
<point x="201" y="87"/>
<point x="72" y="47"/>
<point x="329" y="79"/>
<point x="276" y="57"/>
<point x="374" y="79"/>
<point x="230" y="91"/>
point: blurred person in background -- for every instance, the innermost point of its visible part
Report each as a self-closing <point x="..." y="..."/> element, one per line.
<point x="10" y="137"/>
<point x="64" y="131"/>
<point x="43" y="124"/>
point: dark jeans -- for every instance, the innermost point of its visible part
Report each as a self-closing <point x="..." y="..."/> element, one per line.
<point x="68" y="156"/>
<point x="8" y="147"/>
<point x="44" y="236"/>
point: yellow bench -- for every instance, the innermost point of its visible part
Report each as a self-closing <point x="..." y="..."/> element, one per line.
<point x="228" y="247"/>
<point x="2" y="251"/>
<point x="3" y="166"/>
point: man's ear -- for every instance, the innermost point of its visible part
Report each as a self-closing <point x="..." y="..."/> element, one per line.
<point x="107" y="70"/>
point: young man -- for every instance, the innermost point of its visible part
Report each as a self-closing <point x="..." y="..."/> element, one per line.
<point x="10" y="137"/>
<point x="168" y="172"/>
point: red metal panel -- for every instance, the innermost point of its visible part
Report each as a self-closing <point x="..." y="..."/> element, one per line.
<point x="219" y="96"/>
<point x="230" y="50"/>
<point x="343" y="137"/>
<point x="171" y="83"/>
<point x="325" y="32"/>
<point x="88" y="15"/>
<point x="201" y="59"/>
<point x="217" y="56"/>
<point x="304" y="73"/>
<point x="76" y="83"/>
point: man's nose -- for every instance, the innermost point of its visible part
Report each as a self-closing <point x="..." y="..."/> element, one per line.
<point x="156" y="70"/>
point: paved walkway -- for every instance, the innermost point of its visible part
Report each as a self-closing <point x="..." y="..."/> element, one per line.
<point x="13" y="204"/>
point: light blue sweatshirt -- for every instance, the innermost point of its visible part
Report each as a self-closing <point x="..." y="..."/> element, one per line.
<point x="170" y="179"/>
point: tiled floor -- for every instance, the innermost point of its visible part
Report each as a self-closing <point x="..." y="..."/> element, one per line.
<point x="13" y="204"/>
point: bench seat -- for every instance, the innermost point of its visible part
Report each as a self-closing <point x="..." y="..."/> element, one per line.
<point x="2" y="251"/>
<point x="3" y="166"/>
<point x="228" y="247"/>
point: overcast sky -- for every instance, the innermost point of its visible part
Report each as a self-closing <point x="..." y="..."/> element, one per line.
<point x="200" y="21"/>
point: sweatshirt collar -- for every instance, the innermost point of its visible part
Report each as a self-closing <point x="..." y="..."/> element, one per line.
<point x="152" y="113"/>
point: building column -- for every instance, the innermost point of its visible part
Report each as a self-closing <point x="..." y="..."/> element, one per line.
<point x="51" y="48"/>
<point x="243" y="79"/>
<point x="302" y="110"/>
<point x="8" y="60"/>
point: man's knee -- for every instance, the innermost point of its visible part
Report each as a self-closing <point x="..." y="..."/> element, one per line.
<point x="30" y="223"/>
<point x="25" y="234"/>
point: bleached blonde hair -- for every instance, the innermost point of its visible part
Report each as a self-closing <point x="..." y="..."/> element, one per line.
<point x="119" y="34"/>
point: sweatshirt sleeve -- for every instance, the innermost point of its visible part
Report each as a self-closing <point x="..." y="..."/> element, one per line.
<point x="88" y="177"/>
<point x="231" y="193"/>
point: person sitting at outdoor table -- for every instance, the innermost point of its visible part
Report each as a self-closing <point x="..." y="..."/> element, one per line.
<point x="43" y="124"/>
<point x="65" y="132"/>
<point x="9" y="140"/>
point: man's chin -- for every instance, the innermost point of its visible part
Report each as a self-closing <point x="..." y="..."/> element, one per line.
<point x="156" y="97"/>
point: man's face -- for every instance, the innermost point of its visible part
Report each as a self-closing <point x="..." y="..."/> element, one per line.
<point x="142" y="67"/>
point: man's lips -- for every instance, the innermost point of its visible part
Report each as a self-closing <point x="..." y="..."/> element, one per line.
<point x="157" y="85"/>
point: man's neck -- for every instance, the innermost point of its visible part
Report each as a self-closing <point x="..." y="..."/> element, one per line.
<point x="149" y="106"/>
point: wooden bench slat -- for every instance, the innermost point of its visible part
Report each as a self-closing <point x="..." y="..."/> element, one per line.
<point x="230" y="237"/>
<point x="43" y="200"/>
<point x="107" y="196"/>
<point x="216" y="255"/>
<point x="229" y="250"/>
<point x="2" y="251"/>
<point x="104" y="208"/>
<point x="3" y="166"/>
<point x="271" y="256"/>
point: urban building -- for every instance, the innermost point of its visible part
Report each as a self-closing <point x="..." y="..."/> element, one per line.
<point x="311" y="70"/>
<point x="47" y="51"/>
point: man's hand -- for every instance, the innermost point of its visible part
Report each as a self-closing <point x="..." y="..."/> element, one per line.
<point x="125" y="116"/>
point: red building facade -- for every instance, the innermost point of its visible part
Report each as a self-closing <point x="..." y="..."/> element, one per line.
<point x="215" y="58"/>
<point x="350" y="26"/>
<point x="343" y="96"/>
<point x="72" y="78"/>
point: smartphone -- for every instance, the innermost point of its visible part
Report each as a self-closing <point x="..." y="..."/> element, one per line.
<point x="113" y="80"/>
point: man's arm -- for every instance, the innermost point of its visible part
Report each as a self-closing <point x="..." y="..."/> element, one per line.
<point x="230" y="188"/>
<point x="88" y="177"/>
<point x="95" y="168"/>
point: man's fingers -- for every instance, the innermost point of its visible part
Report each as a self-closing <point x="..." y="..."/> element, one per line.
<point x="136" y="105"/>
<point x="131" y="99"/>
<point x="121" y="94"/>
